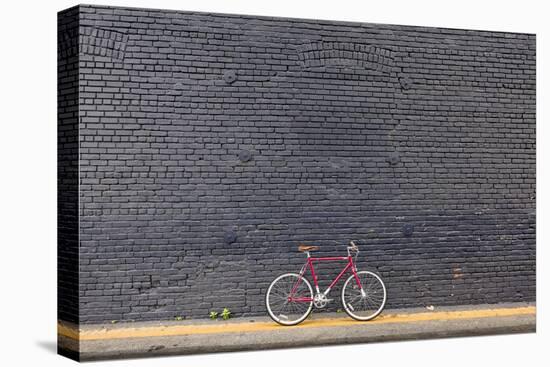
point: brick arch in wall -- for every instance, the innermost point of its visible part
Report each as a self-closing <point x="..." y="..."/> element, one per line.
<point x="341" y="87"/>
<point x="347" y="54"/>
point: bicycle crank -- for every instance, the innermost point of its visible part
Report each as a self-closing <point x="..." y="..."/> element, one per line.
<point x="320" y="300"/>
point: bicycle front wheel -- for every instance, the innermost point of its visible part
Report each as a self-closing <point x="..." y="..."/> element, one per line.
<point x="289" y="299"/>
<point x="366" y="302"/>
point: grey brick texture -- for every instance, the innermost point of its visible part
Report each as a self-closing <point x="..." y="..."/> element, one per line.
<point x="208" y="146"/>
<point x="67" y="165"/>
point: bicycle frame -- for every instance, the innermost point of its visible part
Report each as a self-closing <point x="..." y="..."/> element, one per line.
<point x="309" y="265"/>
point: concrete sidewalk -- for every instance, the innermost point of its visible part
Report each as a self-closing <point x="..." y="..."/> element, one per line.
<point x="144" y="339"/>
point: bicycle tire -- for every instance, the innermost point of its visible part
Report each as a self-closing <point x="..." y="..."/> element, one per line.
<point x="374" y="297"/>
<point x="277" y="315"/>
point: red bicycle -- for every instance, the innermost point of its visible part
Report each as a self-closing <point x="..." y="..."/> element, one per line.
<point x="290" y="299"/>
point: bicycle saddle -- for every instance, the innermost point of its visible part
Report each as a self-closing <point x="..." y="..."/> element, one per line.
<point x="304" y="248"/>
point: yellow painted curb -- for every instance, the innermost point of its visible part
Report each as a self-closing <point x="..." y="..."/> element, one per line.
<point x="220" y="328"/>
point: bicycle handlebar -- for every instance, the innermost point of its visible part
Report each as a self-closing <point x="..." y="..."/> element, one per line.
<point x="353" y="248"/>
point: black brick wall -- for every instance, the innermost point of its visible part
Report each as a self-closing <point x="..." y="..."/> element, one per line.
<point x="67" y="165"/>
<point x="211" y="145"/>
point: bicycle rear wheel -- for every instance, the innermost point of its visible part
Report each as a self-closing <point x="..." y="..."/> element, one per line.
<point x="289" y="299"/>
<point x="364" y="303"/>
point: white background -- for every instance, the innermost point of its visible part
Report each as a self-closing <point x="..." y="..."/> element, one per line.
<point x="28" y="181"/>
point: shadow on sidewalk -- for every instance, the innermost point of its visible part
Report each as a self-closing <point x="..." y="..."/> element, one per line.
<point x="48" y="345"/>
